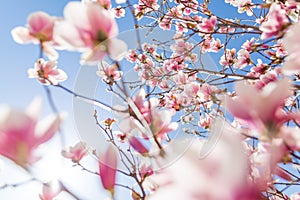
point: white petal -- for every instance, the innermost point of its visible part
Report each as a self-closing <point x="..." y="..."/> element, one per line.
<point x="33" y="109"/>
<point x="117" y="49"/>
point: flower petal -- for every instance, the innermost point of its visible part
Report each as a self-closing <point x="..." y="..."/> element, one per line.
<point x="46" y="128"/>
<point x="107" y="168"/>
<point x="117" y="49"/>
<point x="21" y="35"/>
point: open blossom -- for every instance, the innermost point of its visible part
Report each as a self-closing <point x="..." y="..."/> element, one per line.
<point x="46" y="72"/>
<point x="260" y="109"/>
<point x="89" y="28"/>
<point x="119" y="12"/>
<point x="39" y="30"/>
<point x="229" y="57"/>
<point x="208" y="25"/>
<point x="21" y="133"/>
<point x="246" y="6"/>
<point x="109" y="73"/>
<point x="76" y="152"/>
<point x="243" y="59"/>
<point x="276" y="22"/>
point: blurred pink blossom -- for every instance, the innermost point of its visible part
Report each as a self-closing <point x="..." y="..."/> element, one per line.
<point x="276" y="22"/>
<point x="217" y="176"/>
<point x="21" y="133"/>
<point x="260" y="109"/>
<point x="208" y="25"/>
<point x="291" y="43"/>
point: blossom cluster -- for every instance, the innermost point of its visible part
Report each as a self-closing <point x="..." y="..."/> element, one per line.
<point x="230" y="130"/>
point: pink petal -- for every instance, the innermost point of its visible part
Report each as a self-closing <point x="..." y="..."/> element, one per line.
<point x="68" y="37"/>
<point x="138" y="145"/>
<point x="76" y="13"/>
<point x="46" y="128"/>
<point x="40" y="21"/>
<point x="276" y="93"/>
<point x="101" y="20"/>
<point x="50" y="52"/>
<point x="107" y="168"/>
<point x="237" y="108"/>
<point x="33" y="109"/>
<point x="281" y="173"/>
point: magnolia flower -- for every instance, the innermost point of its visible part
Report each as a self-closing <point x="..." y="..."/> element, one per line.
<point x="260" y="108"/>
<point x="109" y="73"/>
<point x="89" y="28"/>
<point x="108" y="168"/>
<point x="75" y="153"/>
<point x="208" y="25"/>
<point x="276" y="22"/>
<point x="21" y="133"/>
<point x="39" y="30"/>
<point x="243" y="59"/>
<point x="46" y="72"/>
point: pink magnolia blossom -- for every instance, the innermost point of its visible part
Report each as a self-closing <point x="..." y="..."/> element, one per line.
<point x="39" y="30"/>
<point x="229" y="57"/>
<point x="260" y="109"/>
<point x="90" y="29"/>
<point x="276" y="22"/>
<point x="208" y="25"/>
<point x="246" y="6"/>
<point x="248" y="44"/>
<point x="109" y="73"/>
<point x="76" y="152"/>
<point x="243" y="59"/>
<point x="21" y="133"/>
<point x="108" y="168"/>
<point x="119" y="12"/>
<point x="46" y="72"/>
<point x="50" y="190"/>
